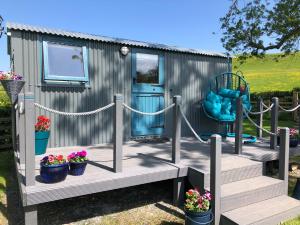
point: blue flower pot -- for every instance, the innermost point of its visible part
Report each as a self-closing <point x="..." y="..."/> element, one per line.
<point x="196" y="218"/>
<point x="54" y="173"/>
<point x="293" y="142"/>
<point x="41" y="142"/>
<point x="77" y="168"/>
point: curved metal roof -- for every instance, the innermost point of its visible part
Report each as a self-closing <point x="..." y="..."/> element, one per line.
<point x="24" y="27"/>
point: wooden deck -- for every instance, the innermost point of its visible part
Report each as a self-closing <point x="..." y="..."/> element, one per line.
<point x="142" y="163"/>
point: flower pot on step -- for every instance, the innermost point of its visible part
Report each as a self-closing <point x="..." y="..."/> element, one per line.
<point x="77" y="168"/>
<point x="293" y="142"/>
<point x="54" y="173"/>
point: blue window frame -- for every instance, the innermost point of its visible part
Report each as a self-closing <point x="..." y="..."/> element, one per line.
<point x="65" y="61"/>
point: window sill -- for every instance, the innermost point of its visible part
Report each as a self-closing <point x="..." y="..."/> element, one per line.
<point x="65" y="84"/>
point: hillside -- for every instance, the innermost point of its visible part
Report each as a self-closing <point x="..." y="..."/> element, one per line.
<point x="269" y="75"/>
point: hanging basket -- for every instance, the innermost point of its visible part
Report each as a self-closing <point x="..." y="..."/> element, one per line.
<point x="12" y="88"/>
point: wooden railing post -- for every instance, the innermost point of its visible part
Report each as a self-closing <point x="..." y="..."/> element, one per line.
<point x="13" y="127"/>
<point x="295" y="103"/>
<point x="259" y="117"/>
<point x="284" y="156"/>
<point x="30" y="139"/>
<point x="239" y="126"/>
<point x="118" y="133"/>
<point x="176" y="129"/>
<point x="21" y="132"/>
<point x="215" y="176"/>
<point x="274" y="123"/>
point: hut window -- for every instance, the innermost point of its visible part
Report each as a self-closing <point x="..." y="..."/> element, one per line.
<point x="147" y="68"/>
<point x="65" y="62"/>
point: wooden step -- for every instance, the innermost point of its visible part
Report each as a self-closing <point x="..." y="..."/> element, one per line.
<point x="234" y="168"/>
<point x="249" y="191"/>
<point x="239" y="168"/>
<point x="268" y="212"/>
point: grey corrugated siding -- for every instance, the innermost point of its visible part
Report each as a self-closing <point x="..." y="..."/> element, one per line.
<point x="110" y="72"/>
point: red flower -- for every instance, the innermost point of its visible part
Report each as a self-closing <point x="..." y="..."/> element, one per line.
<point x="60" y="157"/>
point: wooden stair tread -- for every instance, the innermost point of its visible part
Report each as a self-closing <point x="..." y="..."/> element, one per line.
<point x="247" y="185"/>
<point x="271" y="211"/>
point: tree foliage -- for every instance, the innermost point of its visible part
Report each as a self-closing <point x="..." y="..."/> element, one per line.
<point x="257" y="26"/>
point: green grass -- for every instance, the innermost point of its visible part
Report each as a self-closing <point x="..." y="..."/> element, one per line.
<point x="250" y="129"/>
<point x="267" y="74"/>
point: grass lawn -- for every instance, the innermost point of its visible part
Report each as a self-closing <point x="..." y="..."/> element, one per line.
<point x="266" y="74"/>
<point x="250" y="129"/>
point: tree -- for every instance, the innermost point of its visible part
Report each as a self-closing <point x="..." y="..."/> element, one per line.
<point x="1" y="26"/>
<point x="261" y="25"/>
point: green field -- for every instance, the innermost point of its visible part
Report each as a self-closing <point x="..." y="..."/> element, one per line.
<point x="267" y="74"/>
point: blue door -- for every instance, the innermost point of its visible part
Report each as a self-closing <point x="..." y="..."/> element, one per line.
<point x="147" y="92"/>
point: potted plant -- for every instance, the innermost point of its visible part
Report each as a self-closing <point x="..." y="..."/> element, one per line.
<point x="294" y="137"/>
<point x="197" y="208"/>
<point x="12" y="83"/>
<point x="77" y="162"/>
<point x="42" y="133"/>
<point x="53" y="168"/>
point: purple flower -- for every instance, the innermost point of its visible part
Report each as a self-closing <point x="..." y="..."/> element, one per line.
<point x="45" y="159"/>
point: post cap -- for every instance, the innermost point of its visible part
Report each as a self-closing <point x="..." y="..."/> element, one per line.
<point x="118" y="97"/>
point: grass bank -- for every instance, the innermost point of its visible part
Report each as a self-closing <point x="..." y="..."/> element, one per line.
<point x="267" y="74"/>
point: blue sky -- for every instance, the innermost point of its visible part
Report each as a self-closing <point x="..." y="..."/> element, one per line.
<point x="188" y="23"/>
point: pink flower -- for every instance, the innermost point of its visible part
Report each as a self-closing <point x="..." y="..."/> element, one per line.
<point x="83" y="153"/>
<point x="207" y="195"/>
<point x="51" y="158"/>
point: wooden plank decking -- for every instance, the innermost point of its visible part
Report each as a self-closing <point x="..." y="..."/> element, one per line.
<point x="142" y="163"/>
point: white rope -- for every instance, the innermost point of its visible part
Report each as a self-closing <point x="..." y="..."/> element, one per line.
<point x="261" y="112"/>
<point x="258" y="125"/>
<point x="74" y="114"/>
<point x="289" y="110"/>
<point x="191" y="128"/>
<point x="264" y="105"/>
<point x="148" y="113"/>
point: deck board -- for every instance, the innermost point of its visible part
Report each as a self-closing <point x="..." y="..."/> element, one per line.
<point x="142" y="163"/>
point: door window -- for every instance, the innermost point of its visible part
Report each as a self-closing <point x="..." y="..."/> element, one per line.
<point x="147" y="68"/>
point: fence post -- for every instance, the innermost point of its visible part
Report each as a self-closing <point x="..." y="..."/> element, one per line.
<point x="176" y="129"/>
<point x="260" y="117"/>
<point x="21" y="125"/>
<point x="274" y="123"/>
<point x="29" y="139"/>
<point x="239" y="126"/>
<point x="284" y="156"/>
<point x="215" y="176"/>
<point x="118" y="133"/>
<point x="295" y="103"/>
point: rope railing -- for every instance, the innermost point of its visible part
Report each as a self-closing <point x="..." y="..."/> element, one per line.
<point x="261" y="112"/>
<point x="256" y="125"/>
<point x="264" y="105"/>
<point x="149" y="113"/>
<point x="73" y="114"/>
<point x="191" y="128"/>
<point x="289" y="110"/>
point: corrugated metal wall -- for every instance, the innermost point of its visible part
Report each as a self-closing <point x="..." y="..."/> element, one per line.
<point x="187" y="75"/>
